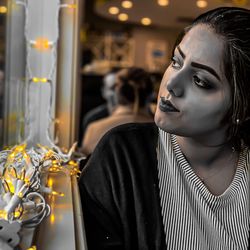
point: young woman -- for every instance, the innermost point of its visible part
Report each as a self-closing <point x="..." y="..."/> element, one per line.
<point x="183" y="184"/>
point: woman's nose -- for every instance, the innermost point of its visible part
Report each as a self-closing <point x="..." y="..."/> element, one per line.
<point x="175" y="86"/>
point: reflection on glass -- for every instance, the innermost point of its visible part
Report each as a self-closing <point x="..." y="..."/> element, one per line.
<point x="3" y="12"/>
<point x="15" y="81"/>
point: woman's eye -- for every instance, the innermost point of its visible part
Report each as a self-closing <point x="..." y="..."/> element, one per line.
<point x="200" y="83"/>
<point x="175" y="63"/>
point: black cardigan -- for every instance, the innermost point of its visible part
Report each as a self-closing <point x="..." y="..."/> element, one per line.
<point x="120" y="193"/>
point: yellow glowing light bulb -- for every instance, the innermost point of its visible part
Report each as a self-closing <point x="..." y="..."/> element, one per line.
<point x="17" y="213"/>
<point x="3" y="9"/>
<point x="8" y="177"/>
<point x="113" y="10"/>
<point x="12" y="155"/>
<point x="57" y="193"/>
<point x="53" y="169"/>
<point x="73" y="163"/>
<point x="27" y="159"/>
<point x="9" y="185"/>
<point x="75" y="171"/>
<point x="71" y="6"/>
<point x="52" y="218"/>
<point x="41" y="44"/>
<point x="20" y="148"/>
<point x="12" y="172"/>
<point x="123" y="17"/>
<point x="127" y="4"/>
<point x="27" y="181"/>
<point x="22" y="175"/>
<point x="201" y="3"/>
<point x="20" y="195"/>
<point x="146" y="21"/>
<point x="37" y="79"/>
<point x="25" y="156"/>
<point x="50" y="182"/>
<point x="32" y="248"/>
<point x="3" y="214"/>
<point x="49" y="153"/>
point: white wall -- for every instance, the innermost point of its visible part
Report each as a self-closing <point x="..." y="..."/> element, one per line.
<point x="142" y="36"/>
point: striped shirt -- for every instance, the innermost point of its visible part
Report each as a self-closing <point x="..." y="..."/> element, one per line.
<point x="193" y="217"/>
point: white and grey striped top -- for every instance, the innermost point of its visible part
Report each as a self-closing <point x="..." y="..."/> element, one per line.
<point x="193" y="218"/>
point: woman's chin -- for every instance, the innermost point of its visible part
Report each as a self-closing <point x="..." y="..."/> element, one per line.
<point x="161" y="120"/>
<point x="162" y="123"/>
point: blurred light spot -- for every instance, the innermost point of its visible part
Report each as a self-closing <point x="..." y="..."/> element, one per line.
<point x="113" y="10"/>
<point x="123" y="17"/>
<point x="146" y="21"/>
<point x="201" y="3"/>
<point x="127" y="4"/>
<point x="3" y="9"/>
<point x="163" y="2"/>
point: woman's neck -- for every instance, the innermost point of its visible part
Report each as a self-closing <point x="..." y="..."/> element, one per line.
<point x="200" y="154"/>
<point x="214" y="165"/>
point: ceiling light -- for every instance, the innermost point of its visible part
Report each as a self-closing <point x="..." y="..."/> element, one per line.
<point x="123" y="17"/>
<point x="201" y="3"/>
<point x="163" y="2"/>
<point x="127" y="4"/>
<point x="146" y="21"/>
<point x="113" y="10"/>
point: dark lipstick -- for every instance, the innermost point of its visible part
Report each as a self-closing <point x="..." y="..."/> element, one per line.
<point x="166" y="106"/>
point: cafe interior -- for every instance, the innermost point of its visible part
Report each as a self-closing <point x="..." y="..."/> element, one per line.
<point x="54" y="55"/>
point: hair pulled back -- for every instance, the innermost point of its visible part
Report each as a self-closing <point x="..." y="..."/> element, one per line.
<point x="135" y="86"/>
<point x="233" y="25"/>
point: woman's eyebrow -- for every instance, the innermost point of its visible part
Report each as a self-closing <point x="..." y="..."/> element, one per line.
<point x="181" y="52"/>
<point x="207" y="68"/>
<point x="198" y="65"/>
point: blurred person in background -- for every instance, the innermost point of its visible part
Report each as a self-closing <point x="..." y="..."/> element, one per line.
<point x="156" y="79"/>
<point x="133" y="88"/>
<point x="105" y="109"/>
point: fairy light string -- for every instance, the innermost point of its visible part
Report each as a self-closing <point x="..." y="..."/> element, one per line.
<point x="22" y="187"/>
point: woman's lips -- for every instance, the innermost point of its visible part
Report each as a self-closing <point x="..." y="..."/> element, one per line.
<point x="166" y="106"/>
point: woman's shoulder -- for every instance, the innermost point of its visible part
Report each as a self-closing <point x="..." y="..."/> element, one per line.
<point x="132" y="132"/>
<point x="134" y="128"/>
<point x="127" y="146"/>
<point x="127" y="139"/>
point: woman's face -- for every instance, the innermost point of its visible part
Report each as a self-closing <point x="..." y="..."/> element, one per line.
<point x="194" y="95"/>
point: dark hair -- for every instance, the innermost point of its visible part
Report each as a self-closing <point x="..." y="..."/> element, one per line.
<point x="136" y="82"/>
<point x="233" y="24"/>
